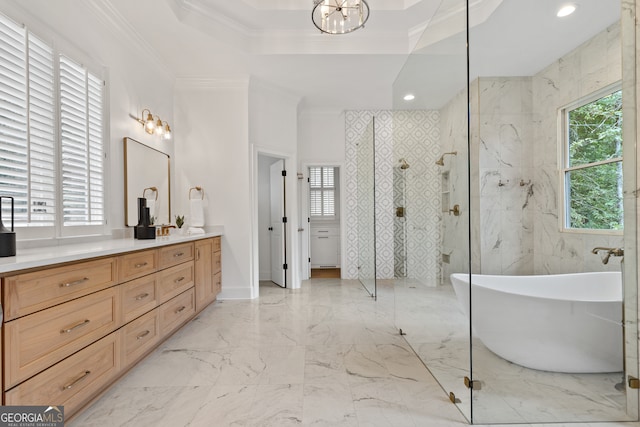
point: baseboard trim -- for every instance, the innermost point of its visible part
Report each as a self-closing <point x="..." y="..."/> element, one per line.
<point x="235" y="293"/>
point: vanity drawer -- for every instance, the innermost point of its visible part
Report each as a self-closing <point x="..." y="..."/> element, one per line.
<point x="140" y="336"/>
<point x="137" y="264"/>
<point x="217" y="244"/>
<point x="139" y="296"/>
<point x="175" y="254"/>
<point x="72" y="382"/>
<point x="174" y="280"/>
<point x="30" y="292"/>
<point x="35" y="342"/>
<point x="176" y="312"/>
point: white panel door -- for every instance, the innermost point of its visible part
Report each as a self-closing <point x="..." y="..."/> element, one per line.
<point x="277" y="228"/>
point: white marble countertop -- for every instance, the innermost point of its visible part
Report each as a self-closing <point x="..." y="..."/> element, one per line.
<point x="47" y="255"/>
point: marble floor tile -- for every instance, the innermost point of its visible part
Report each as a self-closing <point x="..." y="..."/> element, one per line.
<point x="326" y="365"/>
<point x="328" y="405"/>
<point x="276" y="406"/>
<point x="330" y="355"/>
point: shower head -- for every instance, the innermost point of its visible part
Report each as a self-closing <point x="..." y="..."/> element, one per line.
<point x="403" y="163"/>
<point x="440" y="161"/>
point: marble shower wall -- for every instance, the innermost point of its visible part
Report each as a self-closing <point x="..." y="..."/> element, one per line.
<point x="417" y="136"/>
<point x="454" y="177"/>
<point x="592" y="66"/>
<point x="504" y="148"/>
<point x="514" y="139"/>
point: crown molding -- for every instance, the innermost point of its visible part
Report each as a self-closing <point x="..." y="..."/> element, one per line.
<point x="118" y="24"/>
<point x="283" y="5"/>
<point x="216" y="23"/>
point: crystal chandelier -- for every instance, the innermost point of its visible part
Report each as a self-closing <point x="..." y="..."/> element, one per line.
<point x="339" y="16"/>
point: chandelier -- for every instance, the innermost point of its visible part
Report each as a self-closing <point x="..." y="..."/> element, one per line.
<point x="339" y="16"/>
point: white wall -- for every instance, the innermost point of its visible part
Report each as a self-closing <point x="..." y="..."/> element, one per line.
<point x="136" y="80"/>
<point x="212" y="122"/>
<point x="273" y="131"/>
<point x="321" y="142"/>
<point x="321" y="137"/>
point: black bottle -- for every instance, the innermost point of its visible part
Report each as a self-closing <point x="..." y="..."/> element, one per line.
<point x="144" y="229"/>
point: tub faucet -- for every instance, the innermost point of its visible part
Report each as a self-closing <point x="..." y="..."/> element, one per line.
<point x="609" y="253"/>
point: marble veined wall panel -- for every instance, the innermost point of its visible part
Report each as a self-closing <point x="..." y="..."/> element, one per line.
<point x="590" y="67"/>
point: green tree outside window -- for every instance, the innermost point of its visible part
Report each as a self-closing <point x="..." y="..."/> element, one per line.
<point x="593" y="169"/>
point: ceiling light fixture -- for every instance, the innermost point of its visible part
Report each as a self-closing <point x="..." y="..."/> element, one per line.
<point x="339" y="16"/>
<point x="409" y="97"/>
<point x="153" y="125"/>
<point x="566" y="10"/>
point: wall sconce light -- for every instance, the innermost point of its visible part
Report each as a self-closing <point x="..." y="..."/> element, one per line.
<point x="153" y="124"/>
<point x="167" y="131"/>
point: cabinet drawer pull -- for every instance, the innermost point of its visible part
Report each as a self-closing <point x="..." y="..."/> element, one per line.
<point x="323" y="237"/>
<point x="142" y="264"/>
<point x="76" y="381"/>
<point x="180" y="310"/>
<point x="74" y="283"/>
<point x="179" y="279"/>
<point x="179" y="254"/>
<point x="323" y="231"/>
<point x="144" y="334"/>
<point x="142" y="296"/>
<point x="74" y="327"/>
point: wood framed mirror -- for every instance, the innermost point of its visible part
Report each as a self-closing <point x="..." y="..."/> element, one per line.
<point x="146" y="174"/>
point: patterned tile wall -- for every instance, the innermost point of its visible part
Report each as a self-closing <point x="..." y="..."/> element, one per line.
<point x="415" y="136"/>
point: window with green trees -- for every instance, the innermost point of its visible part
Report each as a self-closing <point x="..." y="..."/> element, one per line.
<point x="593" y="163"/>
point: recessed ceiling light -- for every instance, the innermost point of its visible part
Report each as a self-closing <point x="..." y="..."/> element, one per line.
<point x="566" y="10"/>
<point x="409" y="97"/>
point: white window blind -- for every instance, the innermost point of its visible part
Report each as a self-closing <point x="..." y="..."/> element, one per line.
<point x="81" y="145"/>
<point x="51" y="135"/>
<point x="322" y="192"/>
<point x="27" y="158"/>
<point x="41" y="133"/>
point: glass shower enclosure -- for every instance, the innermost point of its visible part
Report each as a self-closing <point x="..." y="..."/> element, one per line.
<point x="493" y="327"/>
<point x="366" y="208"/>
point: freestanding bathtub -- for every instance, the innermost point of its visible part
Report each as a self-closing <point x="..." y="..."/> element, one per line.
<point x="561" y="323"/>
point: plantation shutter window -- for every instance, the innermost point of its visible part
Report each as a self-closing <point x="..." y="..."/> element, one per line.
<point x="52" y="159"/>
<point x="81" y="145"/>
<point x="41" y="134"/>
<point x="322" y="192"/>
<point x="27" y="129"/>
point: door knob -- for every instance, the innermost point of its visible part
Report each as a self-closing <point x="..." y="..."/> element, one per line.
<point x="455" y="210"/>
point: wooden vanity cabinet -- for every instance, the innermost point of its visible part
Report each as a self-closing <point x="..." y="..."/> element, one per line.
<point x="208" y="267"/>
<point x="30" y="292"/>
<point x="33" y="343"/>
<point x="71" y="330"/>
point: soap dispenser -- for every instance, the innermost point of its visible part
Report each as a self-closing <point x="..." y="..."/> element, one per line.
<point x="144" y="229"/>
<point x="7" y="237"/>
